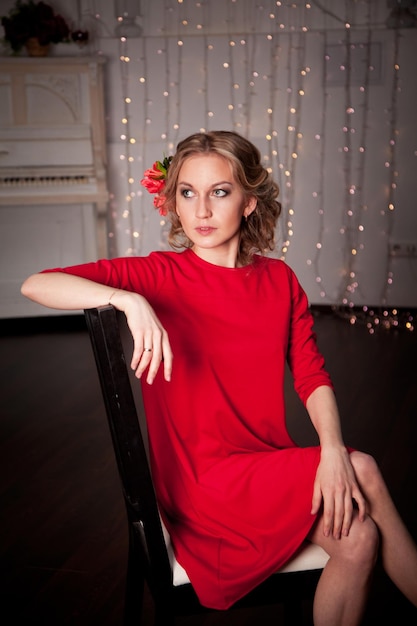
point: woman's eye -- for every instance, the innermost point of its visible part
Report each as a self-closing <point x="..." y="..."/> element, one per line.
<point x="187" y="193"/>
<point x="219" y="193"/>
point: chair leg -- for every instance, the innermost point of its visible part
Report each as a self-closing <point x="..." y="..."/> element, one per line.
<point x="135" y="583"/>
<point x="293" y="612"/>
<point x="164" y="617"/>
<point x="293" y="606"/>
<point x="299" y="600"/>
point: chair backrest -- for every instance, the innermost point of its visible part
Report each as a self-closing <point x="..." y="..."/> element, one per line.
<point x="111" y="340"/>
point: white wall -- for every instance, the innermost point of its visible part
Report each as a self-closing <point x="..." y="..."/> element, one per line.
<point x="257" y="56"/>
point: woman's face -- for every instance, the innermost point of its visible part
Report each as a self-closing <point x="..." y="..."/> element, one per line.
<point x="210" y="204"/>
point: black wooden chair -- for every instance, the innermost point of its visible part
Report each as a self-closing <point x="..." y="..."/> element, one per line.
<point x="151" y="558"/>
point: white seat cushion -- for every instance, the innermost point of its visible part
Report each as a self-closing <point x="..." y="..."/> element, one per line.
<point x="309" y="557"/>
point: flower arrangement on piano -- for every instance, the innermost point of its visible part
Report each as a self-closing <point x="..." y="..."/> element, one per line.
<point x="29" y="20"/>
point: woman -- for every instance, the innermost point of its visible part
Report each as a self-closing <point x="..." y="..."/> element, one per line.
<point x="237" y="495"/>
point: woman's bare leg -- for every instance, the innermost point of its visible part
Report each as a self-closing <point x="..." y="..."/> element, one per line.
<point x="343" y="588"/>
<point x="398" y="550"/>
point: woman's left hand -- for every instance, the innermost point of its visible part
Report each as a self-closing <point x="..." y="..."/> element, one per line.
<point x="336" y="487"/>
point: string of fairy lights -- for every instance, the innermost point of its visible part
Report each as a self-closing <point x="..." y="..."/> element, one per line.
<point x="353" y="207"/>
<point x="127" y="157"/>
<point x="391" y="162"/>
<point x="242" y="72"/>
<point x="295" y="93"/>
<point x="380" y="317"/>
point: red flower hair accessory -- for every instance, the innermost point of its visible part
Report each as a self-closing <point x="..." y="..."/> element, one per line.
<point x="154" y="181"/>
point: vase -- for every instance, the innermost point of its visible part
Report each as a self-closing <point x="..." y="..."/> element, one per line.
<point x="35" y="49"/>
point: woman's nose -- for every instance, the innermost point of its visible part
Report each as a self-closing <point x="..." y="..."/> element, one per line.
<point x="203" y="208"/>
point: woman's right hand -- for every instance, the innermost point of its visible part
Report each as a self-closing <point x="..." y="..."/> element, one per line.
<point x="151" y="345"/>
<point x="60" y="290"/>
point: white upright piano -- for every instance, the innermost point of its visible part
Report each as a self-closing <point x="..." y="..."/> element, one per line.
<point x="53" y="188"/>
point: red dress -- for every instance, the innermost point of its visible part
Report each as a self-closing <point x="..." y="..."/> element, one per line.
<point x="234" y="490"/>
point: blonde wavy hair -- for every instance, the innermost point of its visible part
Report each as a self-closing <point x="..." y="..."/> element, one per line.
<point x="257" y="232"/>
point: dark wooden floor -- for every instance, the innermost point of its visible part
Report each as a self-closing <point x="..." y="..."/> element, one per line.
<point x="63" y="537"/>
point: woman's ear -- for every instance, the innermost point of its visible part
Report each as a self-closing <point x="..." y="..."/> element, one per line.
<point x="250" y="206"/>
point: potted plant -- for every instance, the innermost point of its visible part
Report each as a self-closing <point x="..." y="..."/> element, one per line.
<point x="35" y="23"/>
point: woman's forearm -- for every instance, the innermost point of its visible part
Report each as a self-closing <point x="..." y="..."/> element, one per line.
<point x="324" y="414"/>
<point x="58" y="290"/>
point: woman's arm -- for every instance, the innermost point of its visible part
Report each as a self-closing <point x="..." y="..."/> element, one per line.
<point x="335" y="482"/>
<point x="58" y="290"/>
<point x="63" y="291"/>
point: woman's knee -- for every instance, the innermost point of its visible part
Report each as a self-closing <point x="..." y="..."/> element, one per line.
<point x="364" y="542"/>
<point x="367" y="471"/>
<point x="359" y="550"/>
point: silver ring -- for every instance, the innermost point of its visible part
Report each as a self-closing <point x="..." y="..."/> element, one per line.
<point x="147" y="349"/>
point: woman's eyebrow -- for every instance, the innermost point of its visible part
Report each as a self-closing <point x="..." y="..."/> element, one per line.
<point x="221" y="182"/>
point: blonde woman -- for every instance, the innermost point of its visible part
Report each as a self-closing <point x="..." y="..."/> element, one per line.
<point x="214" y="322"/>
